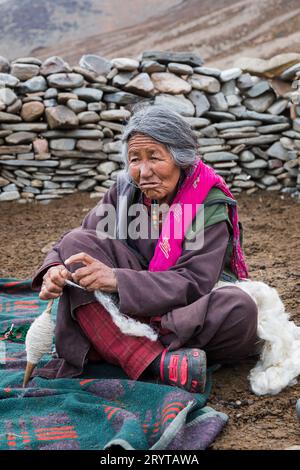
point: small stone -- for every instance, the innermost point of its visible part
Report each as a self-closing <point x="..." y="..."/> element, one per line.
<point x="290" y="72"/>
<point x="87" y="117"/>
<point x="76" y="134"/>
<point x="123" y="63"/>
<point x="247" y="156"/>
<point x="230" y="74"/>
<point x="213" y="72"/>
<point x="205" y="83"/>
<point x="151" y="66"/>
<point x="9" y="196"/>
<point x="107" y="167"/>
<point x="32" y="111"/>
<point x="245" y="81"/>
<point x="51" y="93"/>
<point x="65" y="80"/>
<point x="228" y="88"/>
<point x="260" y="104"/>
<point x="15" y="107"/>
<point x="261" y="117"/>
<point x="200" y="102"/>
<point x="88" y="94"/>
<point x="24" y="71"/>
<point x="96" y="107"/>
<point x="7" y="96"/>
<point x="278" y="106"/>
<point x="121" y="98"/>
<point x="177" y="103"/>
<point x="296" y="125"/>
<point x="4" y="65"/>
<point x="256" y="164"/>
<point x="95" y="63"/>
<point x="8" y="80"/>
<point x="53" y="65"/>
<point x="196" y="122"/>
<point x="3" y="182"/>
<point x="64" y="97"/>
<point x="141" y="85"/>
<point x="169" y="83"/>
<point x="89" y="145"/>
<point x="271" y="128"/>
<point x="20" y="138"/>
<point x="165" y="57"/>
<point x="232" y="100"/>
<point x="214" y="157"/>
<point x="28" y="60"/>
<point x="179" y="69"/>
<point x="30" y="127"/>
<point x="261" y="140"/>
<point x="36" y="183"/>
<point x="61" y="117"/>
<point x="113" y="147"/>
<point x="34" y="85"/>
<point x="77" y="105"/>
<point x="41" y="147"/>
<point x="258" y="89"/>
<point x="62" y="144"/>
<point x="218" y="102"/>
<point x="87" y="185"/>
<point x="115" y="115"/>
<point x="50" y="103"/>
<point x="268" y="180"/>
<point x="277" y="151"/>
<point x="122" y="78"/>
<point x="9" y="118"/>
<point x="244" y="185"/>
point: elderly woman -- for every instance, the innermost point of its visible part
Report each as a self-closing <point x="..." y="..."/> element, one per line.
<point x="162" y="281"/>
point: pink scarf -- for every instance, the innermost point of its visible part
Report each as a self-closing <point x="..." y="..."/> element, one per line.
<point x="193" y="191"/>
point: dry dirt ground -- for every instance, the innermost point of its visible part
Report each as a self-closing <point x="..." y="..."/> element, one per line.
<point x="272" y="247"/>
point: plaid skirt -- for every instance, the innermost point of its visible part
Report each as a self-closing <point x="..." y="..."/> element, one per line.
<point x="133" y="354"/>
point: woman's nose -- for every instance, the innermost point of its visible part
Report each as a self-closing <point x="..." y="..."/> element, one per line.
<point x="145" y="170"/>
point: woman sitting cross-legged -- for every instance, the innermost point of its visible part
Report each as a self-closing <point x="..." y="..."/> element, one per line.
<point x="164" y="279"/>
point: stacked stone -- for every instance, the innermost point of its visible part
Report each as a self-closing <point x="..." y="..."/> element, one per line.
<point x="60" y="126"/>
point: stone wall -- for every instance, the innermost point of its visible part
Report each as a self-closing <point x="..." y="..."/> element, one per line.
<point x="60" y="126"/>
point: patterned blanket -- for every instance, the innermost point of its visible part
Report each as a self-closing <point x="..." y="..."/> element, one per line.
<point x="100" y="409"/>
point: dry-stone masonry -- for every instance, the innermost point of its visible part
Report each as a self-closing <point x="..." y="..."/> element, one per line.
<point x="60" y="126"/>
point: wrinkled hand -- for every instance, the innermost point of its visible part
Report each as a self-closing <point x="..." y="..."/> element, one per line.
<point x="54" y="281"/>
<point x="94" y="275"/>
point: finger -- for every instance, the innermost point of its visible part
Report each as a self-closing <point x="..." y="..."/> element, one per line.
<point x="80" y="258"/>
<point x="88" y="281"/>
<point x="55" y="277"/>
<point x="45" y="295"/>
<point x="52" y="287"/>
<point x="83" y="272"/>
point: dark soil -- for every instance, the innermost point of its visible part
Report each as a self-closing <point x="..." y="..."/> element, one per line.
<point x="272" y="248"/>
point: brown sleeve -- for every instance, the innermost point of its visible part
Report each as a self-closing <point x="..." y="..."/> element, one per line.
<point x="90" y="222"/>
<point x="144" y="293"/>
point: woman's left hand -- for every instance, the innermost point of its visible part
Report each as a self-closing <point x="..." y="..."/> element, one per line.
<point x="95" y="275"/>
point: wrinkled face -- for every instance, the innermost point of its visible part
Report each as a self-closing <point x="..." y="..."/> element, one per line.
<point x="152" y="168"/>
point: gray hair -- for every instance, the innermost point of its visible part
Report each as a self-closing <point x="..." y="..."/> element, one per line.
<point x="165" y="126"/>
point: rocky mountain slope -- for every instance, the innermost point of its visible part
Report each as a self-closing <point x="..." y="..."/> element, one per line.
<point x="219" y="30"/>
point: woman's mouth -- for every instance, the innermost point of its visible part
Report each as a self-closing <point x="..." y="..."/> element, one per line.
<point x="149" y="185"/>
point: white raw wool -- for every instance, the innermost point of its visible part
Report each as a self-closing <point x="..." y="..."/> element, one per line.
<point x="127" y="325"/>
<point x="39" y="336"/>
<point x="279" y="363"/>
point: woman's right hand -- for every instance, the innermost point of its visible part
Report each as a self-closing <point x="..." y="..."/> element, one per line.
<point x="54" y="281"/>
